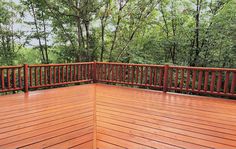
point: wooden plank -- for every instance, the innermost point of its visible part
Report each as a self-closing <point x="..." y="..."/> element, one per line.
<point x="125" y="118"/>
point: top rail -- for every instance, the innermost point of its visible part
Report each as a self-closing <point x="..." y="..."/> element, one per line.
<point x="182" y="79"/>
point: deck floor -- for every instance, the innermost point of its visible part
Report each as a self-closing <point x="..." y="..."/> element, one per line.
<point x="112" y="117"/>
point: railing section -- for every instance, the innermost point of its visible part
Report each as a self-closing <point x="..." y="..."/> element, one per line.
<point x="11" y="78"/>
<point x="200" y="80"/>
<point x="215" y="81"/>
<point x="130" y="74"/>
<point x="59" y="74"/>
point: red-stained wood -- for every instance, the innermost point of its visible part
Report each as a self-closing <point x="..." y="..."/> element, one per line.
<point x="206" y="81"/>
<point x="14" y="78"/>
<point x="55" y="75"/>
<point x="188" y="79"/>
<point x="9" y="78"/>
<point x="155" y="77"/>
<point x="161" y="76"/>
<point x="194" y="79"/>
<point x="176" y="77"/>
<point x="226" y="83"/>
<point x="132" y="76"/>
<point x="45" y="76"/>
<point x="233" y="84"/>
<point x="2" y="79"/>
<point x="36" y="75"/>
<point x="71" y="73"/>
<point x="218" y="88"/>
<point x="50" y="75"/>
<point x="62" y="73"/>
<point x="182" y="79"/>
<point x="40" y="75"/>
<point x="151" y="76"/>
<point x="19" y="78"/>
<point x="199" y="81"/>
<point x="67" y="77"/>
<point x="59" y="74"/>
<point x="141" y="77"/>
<point x="115" y="117"/>
<point x="213" y="76"/>
<point x="146" y="75"/>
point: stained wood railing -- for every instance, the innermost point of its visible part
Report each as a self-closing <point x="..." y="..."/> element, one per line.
<point x="130" y="74"/>
<point x="27" y="77"/>
<point x="200" y="80"/>
<point x="197" y="80"/>
<point x="215" y="81"/>
<point x="11" y="78"/>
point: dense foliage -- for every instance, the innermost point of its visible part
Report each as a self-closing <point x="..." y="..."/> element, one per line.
<point x="179" y="32"/>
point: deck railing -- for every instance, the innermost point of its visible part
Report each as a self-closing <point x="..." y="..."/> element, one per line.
<point x="197" y="80"/>
<point x="11" y="78"/>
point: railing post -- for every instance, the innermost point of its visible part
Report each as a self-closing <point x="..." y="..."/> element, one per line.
<point x="26" y="88"/>
<point x="94" y="72"/>
<point x="165" y="83"/>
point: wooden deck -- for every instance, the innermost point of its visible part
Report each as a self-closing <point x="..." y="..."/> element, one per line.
<point x="111" y="117"/>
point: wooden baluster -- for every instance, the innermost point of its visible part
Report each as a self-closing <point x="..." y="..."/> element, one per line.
<point x="176" y="77"/>
<point x="40" y="76"/>
<point x="50" y="74"/>
<point x="232" y="90"/>
<point x="58" y="74"/>
<point x="9" y="78"/>
<point x="45" y="76"/>
<point x="226" y="83"/>
<point x="128" y="67"/>
<point x="182" y="79"/>
<point x="82" y="72"/>
<point x="146" y="75"/>
<point x="36" y="76"/>
<point x="105" y="72"/>
<point x="171" y="78"/>
<point x="71" y="70"/>
<point x="101" y="71"/>
<point x="2" y="79"/>
<point x="19" y="78"/>
<point x="67" y="73"/>
<point x="74" y="72"/>
<point x="194" y="80"/>
<point x="14" y="78"/>
<point x="62" y="73"/>
<point x="212" y="81"/>
<point x="108" y="71"/>
<point x="188" y="79"/>
<point x="78" y="69"/>
<point x="206" y="81"/>
<point x="112" y="71"/>
<point x="218" y="86"/>
<point x="199" y="81"/>
<point x="86" y="72"/>
<point x="137" y="74"/>
<point x="124" y="72"/>
<point x="160" y="77"/>
<point x="141" y="77"/>
<point x="98" y="69"/>
<point x="55" y="75"/>
<point x="151" y="79"/>
<point x="91" y="72"/>
<point x="133" y="67"/>
<point x="31" y="80"/>
<point x="117" y="73"/>
<point x="26" y="76"/>
<point x="155" y="76"/>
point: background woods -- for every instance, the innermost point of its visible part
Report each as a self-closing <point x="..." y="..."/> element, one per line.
<point x="182" y="32"/>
